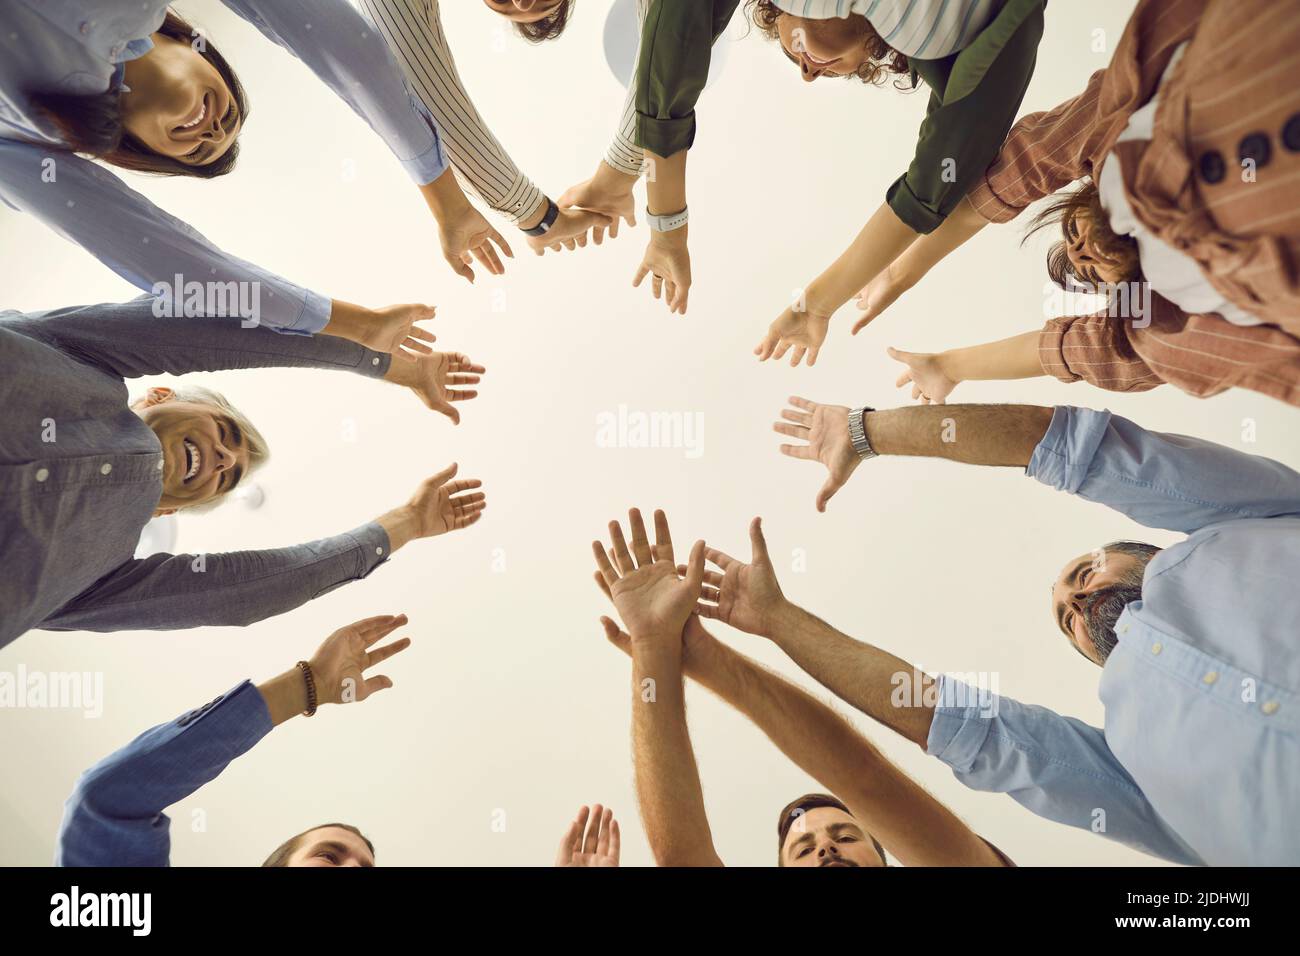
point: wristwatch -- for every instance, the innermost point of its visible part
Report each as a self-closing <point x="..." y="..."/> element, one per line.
<point x="548" y="220"/>
<point x="666" y="223"/>
<point x="858" y="434"/>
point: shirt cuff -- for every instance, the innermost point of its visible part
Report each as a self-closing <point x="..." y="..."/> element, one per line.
<point x="244" y="717"/>
<point x="315" y="314"/>
<point x="372" y="539"/>
<point x="988" y="205"/>
<point x="915" y="214"/>
<point x="959" y="728"/>
<point x="1065" y="454"/>
<point x="665" y="137"/>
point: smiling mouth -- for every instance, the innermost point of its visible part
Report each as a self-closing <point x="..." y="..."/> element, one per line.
<point x="198" y="117"/>
<point x="816" y="62"/>
<point x="193" y="457"/>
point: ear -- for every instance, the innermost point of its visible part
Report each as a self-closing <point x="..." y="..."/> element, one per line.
<point x="156" y="396"/>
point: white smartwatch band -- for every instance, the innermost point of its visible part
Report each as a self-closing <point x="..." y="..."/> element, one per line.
<point x="667" y="223"/>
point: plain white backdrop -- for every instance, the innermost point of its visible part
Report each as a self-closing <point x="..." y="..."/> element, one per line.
<point x="510" y="708"/>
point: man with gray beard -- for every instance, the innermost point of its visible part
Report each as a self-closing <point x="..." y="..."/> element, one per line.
<point x="1199" y="757"/>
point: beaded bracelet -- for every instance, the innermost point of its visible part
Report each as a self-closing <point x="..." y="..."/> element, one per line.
<point x="311" y="687"/>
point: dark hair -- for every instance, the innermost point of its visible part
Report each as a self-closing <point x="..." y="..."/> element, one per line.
<point x="1135" y="549"/>
<point x="801" y="805"/>
<point x="93" y="124"/>
<point x="1066" y="208"/>
<point x="548" y="27"/>
<point x="280" y="857"/>
<point x="882" y="59"/>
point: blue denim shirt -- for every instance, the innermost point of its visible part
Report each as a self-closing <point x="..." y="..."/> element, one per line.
<point x="79" y="47"/>
<point x="115" y="815"/>
<point x="1199" y="758"/>
<point x="80" y="476"/>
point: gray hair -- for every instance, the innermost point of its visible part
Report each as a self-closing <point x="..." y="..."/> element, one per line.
<point x="259" y="452"/>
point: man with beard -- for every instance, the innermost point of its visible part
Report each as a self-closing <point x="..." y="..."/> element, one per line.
<point x="1199" y="758"/>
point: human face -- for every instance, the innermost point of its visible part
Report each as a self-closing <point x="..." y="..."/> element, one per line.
<point x="204" y="452"/>
<point x="831" y="47"/>
<point x="179" y="106"/>
<point x="1084" y="577"/>
<point x="1087" y="260"/>
<point x="827" y="836"/>
<point x="331" y="846"/>
<point x="523" y="11"/>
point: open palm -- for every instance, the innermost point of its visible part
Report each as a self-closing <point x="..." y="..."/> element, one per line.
<point x="652" y="600"/>
<point x="746" y="596"/>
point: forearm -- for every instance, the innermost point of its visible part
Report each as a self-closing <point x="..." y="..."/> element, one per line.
<point x="665" y="183"/>
<point x="821" y="742"/>
<point x="667" y="778"/>
<point x="973" y="434"/>
<point x="931" y="249"/>
<point x="882" y="240"/>
<point x="401" y="525"/>
<point x="882" y="686"/>
<point x="1006" y="359"/>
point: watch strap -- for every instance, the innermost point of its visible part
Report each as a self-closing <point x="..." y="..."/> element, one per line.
<point x="667" y="223"/>
<point x="858" y="434"/>
<point x="548" y="220"/>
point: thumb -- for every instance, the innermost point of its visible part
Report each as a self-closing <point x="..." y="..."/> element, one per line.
<point x="615" y="636"/>
<point x="444" y="476"/>
<point x="449" y="410"/>
<point x="695" y="567"/>
<point x="460" y="265"/>
<point x="828" y="491"/>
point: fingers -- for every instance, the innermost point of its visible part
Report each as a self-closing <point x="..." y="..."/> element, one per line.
<point x="806" y="404"/>
<point x="594" y="827"/>
<point x="569" y="842"/>
<point x="600" y="583"/>
<point x="642" y="271"/>
<point x="376" y="628"/>
<point x="373" y="686"/>
<point x="500" y="241"/>
<point x="794" y="431"/>
<point x="416" y="346"/>
<point x="803" y="452"/>
<point x="443" y="408"/>
<point x="468" y="518"/>
<point x="464" y="484"/>
<point x="385" y="652"/>
<point x="657" y="285"/>
<point x="460" y="267"/>
<point x="622" y="558"/>
<point x="640" y="543"/>
<point x="487" y="257"/>
<point x="801" y="418"/>
<point x="615" y="842"/>
<point x="663" y="539"/>
<point x="757" y="543"/>
<point x="603" y="837"/>
<point x="766" y="346"/>
<point x="604" y="566"/>
<point x="445" y="475"/>
<point x="719" y="558"/>
<point x="797" y="355"/>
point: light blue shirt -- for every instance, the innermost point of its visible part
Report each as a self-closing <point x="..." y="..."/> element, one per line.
<point x="1199" y="759"/>
<point x="79" y="47"/>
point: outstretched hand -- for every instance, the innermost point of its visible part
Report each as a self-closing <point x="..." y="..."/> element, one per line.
<point x="339" y="664"/>
<point x="592" y="839"/>
<point x="437" y="378"/>
<point x="746" y="596"/>
<point x="825" y="428"/>
<point x="801" y="330"/>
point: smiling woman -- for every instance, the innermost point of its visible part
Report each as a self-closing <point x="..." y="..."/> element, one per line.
<point x="834" y="47"/>
<point x="178" y="115"/>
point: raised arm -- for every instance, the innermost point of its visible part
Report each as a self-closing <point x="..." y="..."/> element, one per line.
<point x="917" y="829"/>
<point x="115" y="815"/>
<point x="171" y="592"/>
<point x="654" y="605"/>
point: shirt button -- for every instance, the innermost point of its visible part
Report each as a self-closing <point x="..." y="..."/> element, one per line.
<point x="1255" y="147"/>
<point x="42" y="474"/>
<point x="105" y="468"/>
<point x="375" y="360"/>
<point x="1212" y="166"/>
<point x="1291" y="134"/>
<point x="159" y="465"/>
<point x="1157" y="647"/>
<point x="1210" y="677"/>
<point x="379" y="551"/>
<point x="1123" y="628"/>
<point x="1269" y="707"/>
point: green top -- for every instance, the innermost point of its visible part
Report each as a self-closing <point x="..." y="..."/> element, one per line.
<point x="975" y="94"/>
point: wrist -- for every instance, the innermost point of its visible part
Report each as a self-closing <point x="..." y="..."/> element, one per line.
<point x="285" y="695"/>
<point x="951" y="365"/>
<point x="444" y="197"/>
<point x="818" y="299"/>
<point x="536" y="215"/>
<point x="401" y="525"/>
<point x="612" y="178"/>
<point x="782" y="622"/>
<point x="675" y="239"/>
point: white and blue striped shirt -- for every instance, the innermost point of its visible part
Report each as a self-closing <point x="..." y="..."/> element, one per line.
<point x="925" y="29"/>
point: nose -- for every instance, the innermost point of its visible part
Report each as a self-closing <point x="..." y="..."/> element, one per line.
<point x="830" y="849"/>
<point x="215" y="132"/>
<point x="225" y="460"/>
<point x="808" y="71"/>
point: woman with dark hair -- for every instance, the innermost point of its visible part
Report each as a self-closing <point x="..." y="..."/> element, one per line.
<point x="976" y="56"/>
<point x="535" y="20"/>
<point x="1206" y="248"/>
<point x="133" y="84"/>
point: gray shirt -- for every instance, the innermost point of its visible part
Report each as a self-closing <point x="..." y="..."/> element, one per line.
<point x="80" y="476"/>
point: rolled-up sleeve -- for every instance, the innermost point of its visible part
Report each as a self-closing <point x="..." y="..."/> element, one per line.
<point x="962" y="134"/>
<point x="1159" y="480"/>
<point x="1094" y="349"/>
<point x="348" y="55"/>
<point x="677" y="40"/>
<point x="150" y="249"/>
<point x="115" y="815"/>
<point x="175" y="591"/>
<point x="1056" y="767"/>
